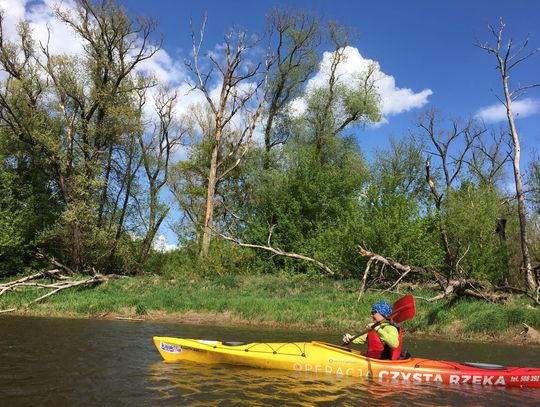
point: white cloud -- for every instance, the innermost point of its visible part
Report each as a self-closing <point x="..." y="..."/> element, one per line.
<point x="394" y="100"/>
<point x="165" y="69"/>
<point x="42" y="21"/>
<point x="520" y="108"/>
<point x="161" y="245"/>
<point x="13" y="12"/>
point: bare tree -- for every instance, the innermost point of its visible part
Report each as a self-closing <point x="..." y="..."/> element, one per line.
<point x="87" y="97"/>
<point x="451" y="164"/>
<point x="239" y="83"/>
<point x="156" y="154"/>
<point x="507" y="59"/>
<point x="488" y="158"/>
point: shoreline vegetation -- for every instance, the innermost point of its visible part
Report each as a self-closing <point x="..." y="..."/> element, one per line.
<point x="282" y="301"/>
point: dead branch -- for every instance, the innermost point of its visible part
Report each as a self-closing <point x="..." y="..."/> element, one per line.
<point x="364" y="279"/>
<point x="278" y="252"/>
<point x="62" y="282"/>
<point x="400" y="267"/>
<point x="70" y="284"/>
<point x="508" y="289"/>
<point x="398" y="280"/>
<point x="51" y="260"/>
<point x="129" y="319"/>
<point x="9" y="286"/>
<point x="461" y="288"/>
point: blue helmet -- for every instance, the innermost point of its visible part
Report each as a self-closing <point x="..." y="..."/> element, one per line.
<point x="382" y="308"/>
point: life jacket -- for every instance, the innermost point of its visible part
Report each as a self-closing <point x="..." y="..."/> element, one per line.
<point x="378" y="350"/>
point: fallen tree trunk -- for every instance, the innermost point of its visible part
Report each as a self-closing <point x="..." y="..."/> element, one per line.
<point x="405" y="269"/>
<point x="460" y="288"/>
<point x="278" y="251"/>
<point x="62" y="283"/>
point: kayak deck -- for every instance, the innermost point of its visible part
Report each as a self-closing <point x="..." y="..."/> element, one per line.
<point x="325" y="358"/>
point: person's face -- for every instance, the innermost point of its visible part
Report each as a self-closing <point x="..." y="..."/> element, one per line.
<point x="376" y="316"/>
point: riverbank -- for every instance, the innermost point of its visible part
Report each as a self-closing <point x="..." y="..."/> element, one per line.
<point x="293" y="302"/>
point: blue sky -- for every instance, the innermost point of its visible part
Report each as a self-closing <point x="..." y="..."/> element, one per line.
<point x="423" y="45"/>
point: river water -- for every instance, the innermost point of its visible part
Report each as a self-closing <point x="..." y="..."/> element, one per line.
<point x="78" y="362"/>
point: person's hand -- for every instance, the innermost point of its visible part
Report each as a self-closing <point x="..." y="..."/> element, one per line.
<point x="370" y="327"/>
<point x="347" y="339"/>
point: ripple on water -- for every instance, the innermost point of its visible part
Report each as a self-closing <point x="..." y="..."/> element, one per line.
<point x="194" y="384"/>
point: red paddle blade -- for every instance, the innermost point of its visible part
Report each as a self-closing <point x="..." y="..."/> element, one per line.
<point x="404" y="309"/>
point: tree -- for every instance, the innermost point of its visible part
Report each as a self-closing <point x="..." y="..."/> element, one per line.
<point x="395" y="206"/>
<point x="311" y="208"/>
<point x="507" y="59"/>
<point x="309" y="197"/>
<point x="488" y="158"/>
<point x="534" y="183"/>
<point x="156" y="154"/>
<point x="237" y="96"/>
<point x="295" y="60"/>
<point x="451" y="165"/>
<point x="472" y="213"/>
<point x="335" y="105"/>
<point x="75" y="114"/>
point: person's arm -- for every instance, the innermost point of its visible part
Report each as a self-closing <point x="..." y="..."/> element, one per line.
<point x="389" y="335"/>
<point x="360" y="340"/>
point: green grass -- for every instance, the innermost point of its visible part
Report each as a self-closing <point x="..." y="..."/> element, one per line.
<point x="313" y="302"/>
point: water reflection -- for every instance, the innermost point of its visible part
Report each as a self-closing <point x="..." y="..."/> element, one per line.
<point x="194" y="384"/>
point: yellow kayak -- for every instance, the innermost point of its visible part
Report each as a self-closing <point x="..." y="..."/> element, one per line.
<point x="325" y="358"/>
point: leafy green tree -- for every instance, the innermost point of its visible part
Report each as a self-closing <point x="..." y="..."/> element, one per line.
<point x="314" y="207"/>
<point x="471" y="217"/>
<point x="399" y="224"/>
<point x="334" y="105"/>
<point x="78" y="115"/>
<point x="27" y="207"/>
<point x="297" y="35"/>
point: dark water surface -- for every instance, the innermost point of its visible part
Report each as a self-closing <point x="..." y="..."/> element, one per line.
<point x="70" y="362"/>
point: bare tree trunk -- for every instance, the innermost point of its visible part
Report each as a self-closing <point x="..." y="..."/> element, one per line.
<point x="522" y="210"/>
<point x="105" y="188"/>
<point x="232" y="101"/>
<point x="506" y="60"/>
<point x="364" y="279"/>
<point x="76" y="246"/>
<point x="212" y="180"/>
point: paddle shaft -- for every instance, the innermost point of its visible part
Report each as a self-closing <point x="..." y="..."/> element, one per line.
<point x="365" y="331"/>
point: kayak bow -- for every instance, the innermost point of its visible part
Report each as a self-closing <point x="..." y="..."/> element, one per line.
<point x="325" y="358"/>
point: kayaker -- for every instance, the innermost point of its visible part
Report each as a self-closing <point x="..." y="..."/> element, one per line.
<point x="384" y="340"/>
